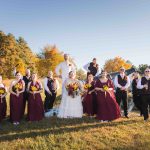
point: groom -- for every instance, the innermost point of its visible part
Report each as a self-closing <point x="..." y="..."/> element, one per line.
<point x="63" y="69"/>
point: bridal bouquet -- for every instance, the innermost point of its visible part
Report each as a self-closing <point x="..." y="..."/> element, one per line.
<point x="73" y="89"/>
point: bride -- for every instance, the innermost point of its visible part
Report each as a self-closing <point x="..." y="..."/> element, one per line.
<point x="71" y="103"/>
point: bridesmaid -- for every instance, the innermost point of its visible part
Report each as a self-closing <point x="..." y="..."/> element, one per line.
<point x="35" y="104"/>
<point x="107" y="107"/>
<point x="89" y="96"/>
<point x="17" y="88"/>
<point x="3" y="105"/>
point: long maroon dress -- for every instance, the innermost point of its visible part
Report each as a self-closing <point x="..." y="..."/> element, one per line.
<point x="107" y="107"/>
<point x="16" y="103"/>
<point x="89" y="101"/>
<point x="35" y="104"/>
<point x="3" y="105"/>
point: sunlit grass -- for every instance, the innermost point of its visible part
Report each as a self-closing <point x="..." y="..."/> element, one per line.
<point x="80" y="134"/>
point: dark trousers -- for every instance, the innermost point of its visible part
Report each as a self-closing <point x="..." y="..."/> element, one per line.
<point x="49" y="101"/>
<point x="138" y="102"/>
<point x="25" y="100"/>
<point x="122" y="96"/>
<point x="145" y="105"/>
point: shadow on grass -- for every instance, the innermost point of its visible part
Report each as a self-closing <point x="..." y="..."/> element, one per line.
<point x="56" y="127"/>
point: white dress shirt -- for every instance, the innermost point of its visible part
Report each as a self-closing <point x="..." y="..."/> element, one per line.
<point x="117" y="85"/>
<point x="139" y="85"/>
<point x="46" y="87"/>
<point x="65" y="68"/>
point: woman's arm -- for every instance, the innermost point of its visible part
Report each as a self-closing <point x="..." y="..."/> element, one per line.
<point x="10" y="88"/>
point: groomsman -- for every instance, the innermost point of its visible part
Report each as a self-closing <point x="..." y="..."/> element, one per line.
<point x="92" y="67"/>
<point x="136" y="92"/>
<point x="63" y="69"/>
<point x="122" y="83"/>
<point x="144" y="85"/>
<point x="51" y="86"/>
<point x="26" y="79"/>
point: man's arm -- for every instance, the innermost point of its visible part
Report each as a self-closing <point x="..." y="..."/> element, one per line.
<point x="139" y="85"/>
<point x="128" y="83"/>
<point x="45" y="85"/>
<point x="86" y="67"/>
<point x="117" y="85"/>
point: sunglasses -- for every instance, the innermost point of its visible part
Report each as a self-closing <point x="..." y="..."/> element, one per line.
<point x="147" y="71"/>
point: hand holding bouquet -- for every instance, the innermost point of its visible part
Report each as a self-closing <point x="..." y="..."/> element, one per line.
<point x="73" y="89"/>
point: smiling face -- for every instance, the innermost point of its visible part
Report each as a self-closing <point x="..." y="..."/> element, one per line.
<point x="72" y="75"/>
<point x="34" y="76"/>
<point x="18" y="76"/>
<point x="147" y="72"/>
<point x="28" y="73"/>
<point x="66" y="57"/>
<point x="136" y="74"/>
<point x="94" y="61"/>
<point x="90" y="77"/>
<point x="122" y="70"/>
<point x="50" y="74"/>
<point x="104" y="74"/>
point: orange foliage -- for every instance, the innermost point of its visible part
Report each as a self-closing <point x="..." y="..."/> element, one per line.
<point x="113" y="65"/>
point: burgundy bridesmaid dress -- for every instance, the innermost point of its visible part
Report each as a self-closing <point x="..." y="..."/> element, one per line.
<point x="107" y="107"/>
<point x="35" y="105"/>
<point x="89" y="101"/>
<point x="16" y="105"/>
<point x="3" y="105"/>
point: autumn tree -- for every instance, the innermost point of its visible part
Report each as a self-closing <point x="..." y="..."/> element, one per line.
<point x="113" y="65"/>
<point x="15" y="52"/>
<point x="81" y="75"/>
<point x="49" y="58"/>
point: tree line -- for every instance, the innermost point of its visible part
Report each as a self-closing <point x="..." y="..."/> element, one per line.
<point x="15" y="52"/>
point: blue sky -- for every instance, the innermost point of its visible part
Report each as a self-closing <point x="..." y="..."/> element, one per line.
<point x="83" y="28"/>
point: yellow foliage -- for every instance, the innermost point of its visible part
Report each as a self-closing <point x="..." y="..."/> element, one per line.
<point x="113" y="65"/>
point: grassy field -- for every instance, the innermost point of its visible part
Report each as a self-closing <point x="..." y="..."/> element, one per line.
<point x="77" y="134"/>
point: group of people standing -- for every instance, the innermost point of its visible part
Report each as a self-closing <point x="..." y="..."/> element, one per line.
<point x="98" y="96"/>
<point x="27" y="90"/>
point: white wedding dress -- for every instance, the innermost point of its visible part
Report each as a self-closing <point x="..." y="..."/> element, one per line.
<point x="70" y="107"/>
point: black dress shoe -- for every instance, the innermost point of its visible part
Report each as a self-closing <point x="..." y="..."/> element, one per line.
<point x="127" y="117"/>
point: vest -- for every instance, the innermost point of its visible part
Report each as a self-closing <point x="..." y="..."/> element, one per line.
<point x="123" y="81"/>
<point x="92" y="69"/>
<point x="143" y="82"/>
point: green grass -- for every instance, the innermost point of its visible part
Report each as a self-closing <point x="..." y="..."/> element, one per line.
<point x="77" y="134"/>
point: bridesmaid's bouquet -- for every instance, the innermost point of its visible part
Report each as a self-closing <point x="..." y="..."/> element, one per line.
<point x="87" y="86"/>
<point x="73" y="89"/>
<point x="34" y="88"/>
<point x="18" y="87"/>
<point x="105" y="88"/>
<point x="2" y="91"/>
